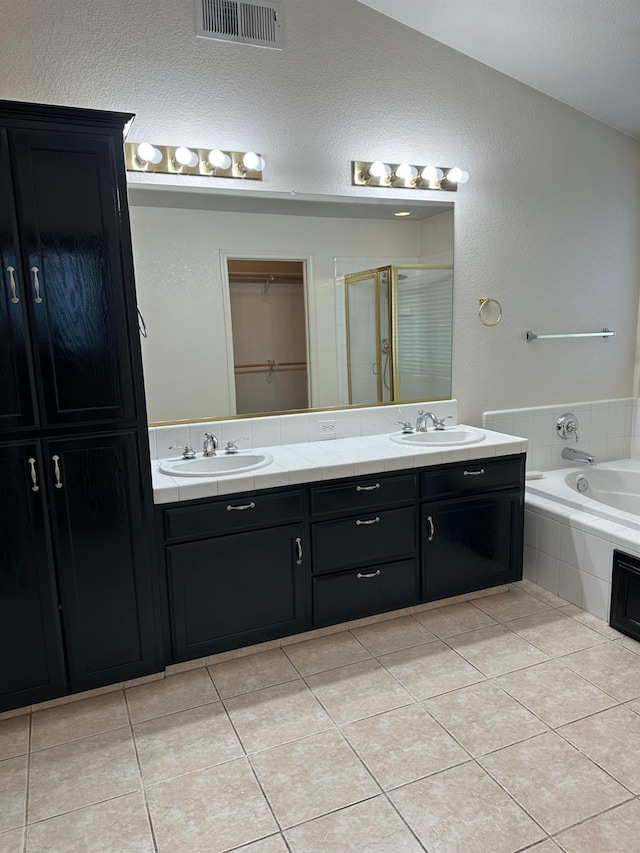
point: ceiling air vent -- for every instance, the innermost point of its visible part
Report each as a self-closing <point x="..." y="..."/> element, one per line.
<point x="232" y="20"/>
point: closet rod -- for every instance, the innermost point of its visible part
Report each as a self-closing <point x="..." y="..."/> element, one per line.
<point x="605" y="333"/>
<point x="272" y="364"/>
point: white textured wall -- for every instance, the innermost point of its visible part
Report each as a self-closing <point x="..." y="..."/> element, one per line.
<point x="548" y="224"/>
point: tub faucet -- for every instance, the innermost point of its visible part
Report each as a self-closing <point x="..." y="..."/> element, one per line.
<point x="210" y="444"/>
<point x="578" y="456"/>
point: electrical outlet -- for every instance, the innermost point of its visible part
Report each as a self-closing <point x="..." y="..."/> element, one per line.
<point x="327" y="426"/>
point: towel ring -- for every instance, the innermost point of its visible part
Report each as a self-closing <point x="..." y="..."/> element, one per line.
<point x="483" y="304"/>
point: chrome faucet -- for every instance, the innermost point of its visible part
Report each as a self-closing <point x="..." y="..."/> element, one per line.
<point x="438" y="423"/>
<point x="574" y="455"/>
<point x="187" y="451"/>
<point x="210" y="444"/>
<point x="232" y="446"/>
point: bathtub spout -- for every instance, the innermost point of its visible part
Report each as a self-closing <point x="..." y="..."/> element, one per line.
<point x="578" y="456"/>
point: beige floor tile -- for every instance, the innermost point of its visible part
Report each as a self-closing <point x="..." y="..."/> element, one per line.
<point x="540" y="592"/>
<point x="484" y="718"/>
<point x="496" y="650"/>
<point x="358" y="690"/>
<point x="311" y="777"/>
<point x="273" y="844"/>
<point x="464" y="811"/>
<point x="14" y="736"/>
<point x="181" y="743"/>
<point x="176" y="693"/>
<point x="252" y="672"/>
<point x="555" y="783"/>
<point x="13" y="792"/>
<point x="116" y="825"/>
<point x="392" y="635"/>
<point x="615" y="831"/>
<point x="610" y="667"/>
<point x="276" y="715"/>
<point x="78" y="719"/>
<point x="364" y="828"/>
<point x="607" y="739"/>
<point x="547" y="846"/>
<point x="210" y="811"/>
<point x="591" y="621"/>
<point x="630" y="643"/>
<point x="554" y="633"/>
<point x="82" y="773"/>
<point x="327" y="652"/>
<point x="12" y="841"/>
<point x="555" y="693"/>
<point x="454" y="619"/>
<point x="510" y="605"/>
<point x="403" y="745"/>
<point x="430" y="669"/>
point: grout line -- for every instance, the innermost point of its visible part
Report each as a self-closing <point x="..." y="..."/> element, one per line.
<point x="27" y="785"/>
<point x="142" y="782"/>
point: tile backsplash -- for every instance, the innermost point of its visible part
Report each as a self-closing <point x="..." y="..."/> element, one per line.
<point x="296" y="428"/>
<point x="609" y="429"/>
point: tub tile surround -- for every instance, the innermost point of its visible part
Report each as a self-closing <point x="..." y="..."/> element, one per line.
<point x="360" y="446"/>
<point x="567" y="551"/>
<point x="228" y="767"/>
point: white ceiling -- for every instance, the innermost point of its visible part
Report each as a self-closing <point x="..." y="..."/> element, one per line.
<point x="585" y="53"/>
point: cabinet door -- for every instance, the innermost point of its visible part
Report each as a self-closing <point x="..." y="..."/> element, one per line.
<point x="31" y="662"/>
<point x="102" y="550"/>
<point x="69" y="220"/>
<point x="17" y="389"/>
<point x="472" y="544"/>
<point x="236" y="590"/>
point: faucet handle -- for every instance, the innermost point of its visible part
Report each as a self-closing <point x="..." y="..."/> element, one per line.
<point x="567" y="425"/>
<point x="407" y="429"/>
<point x="232" y="446"/>
<point x="187" y="451"/>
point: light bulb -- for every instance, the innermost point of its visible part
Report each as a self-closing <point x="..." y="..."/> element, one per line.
<point x="454" y="175"/>
<point x="185" y="157"/>
<point x="406" y="172"/>
<point x="146" y="153"/>
<point x="464" y="177"/>
<point x="253" y="162"/>
<point x="378" y="169"/>
<point x="431" y="173"/>
<point x="218" y="159"/>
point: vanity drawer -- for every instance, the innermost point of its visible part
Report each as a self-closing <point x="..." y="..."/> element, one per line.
<point x="353" y="594"/>
<point x="468" y="478"/>
<point x="363" y="494"/>
<point x="232" y="513"/>
<point x="372" y="537"/>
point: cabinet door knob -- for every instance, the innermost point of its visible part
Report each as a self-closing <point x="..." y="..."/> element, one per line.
<point x="34" y="476"/>
<point x="474" y="473"/>
<point x="242" y="506"/>
<point x="369" y="520"/>
<point x="432" y="529"/>
<point x="360" y="576"/>
<point x="36" y="284"/>
<point x="299" y="550"/>
<point x="56" y="471"/>
<point x="367" y="488"/>
<point x="12" y="284"/>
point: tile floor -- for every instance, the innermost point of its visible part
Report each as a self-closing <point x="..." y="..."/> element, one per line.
<point x="508" y="723"/>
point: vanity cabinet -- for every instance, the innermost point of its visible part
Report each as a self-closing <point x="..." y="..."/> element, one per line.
<point x="472" y="526"/>
<point x="232" y="584"/>
<point x="72" y="412"/>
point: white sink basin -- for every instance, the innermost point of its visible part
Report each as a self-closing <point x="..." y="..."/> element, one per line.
<point x="450" y="436"/>
<point x="215" y="466"/>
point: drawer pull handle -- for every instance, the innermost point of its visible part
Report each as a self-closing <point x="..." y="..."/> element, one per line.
<point x="299" y="550"/>
<point x="474" y="473"/>
<point x="432" y="529"/>
<point x="242" y="506"/>
<point x="56" y="471"/>
<point x="36" y="284"/>
<point x="369" y="521"/>
<point x="360" y="576"/>
<point x="34" y="476"/>
<point x="367" y="488"/>
<point x="12" y="284"/>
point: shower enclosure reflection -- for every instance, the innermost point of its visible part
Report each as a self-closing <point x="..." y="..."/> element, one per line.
<point x="398" y="322"/>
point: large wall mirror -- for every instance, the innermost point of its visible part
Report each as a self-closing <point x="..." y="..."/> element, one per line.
<point x="258" y="303"/>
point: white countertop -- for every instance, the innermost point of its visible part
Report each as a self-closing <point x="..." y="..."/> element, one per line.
<point x="328" y="460"/>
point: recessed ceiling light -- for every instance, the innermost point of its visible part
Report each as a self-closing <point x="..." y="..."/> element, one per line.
<point x="402" y="213"/>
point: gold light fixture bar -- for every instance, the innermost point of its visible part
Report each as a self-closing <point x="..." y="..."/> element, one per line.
<point x="180" y="160"/>
<point x="366" y="173"/>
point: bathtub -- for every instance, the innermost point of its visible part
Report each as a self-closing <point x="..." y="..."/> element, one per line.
<point x="610" y="491"/>
<point x="570" y="536"/>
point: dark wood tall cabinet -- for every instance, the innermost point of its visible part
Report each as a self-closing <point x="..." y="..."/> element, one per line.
<point x="78" y="585"/>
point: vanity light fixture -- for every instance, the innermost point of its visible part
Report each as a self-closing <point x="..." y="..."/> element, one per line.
<point x="183" y="160"/>
<point x="406" y="176"/>
<point x="402" y="213"/>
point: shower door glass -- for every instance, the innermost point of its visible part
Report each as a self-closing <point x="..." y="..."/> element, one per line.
<point x="363" y="334"/>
